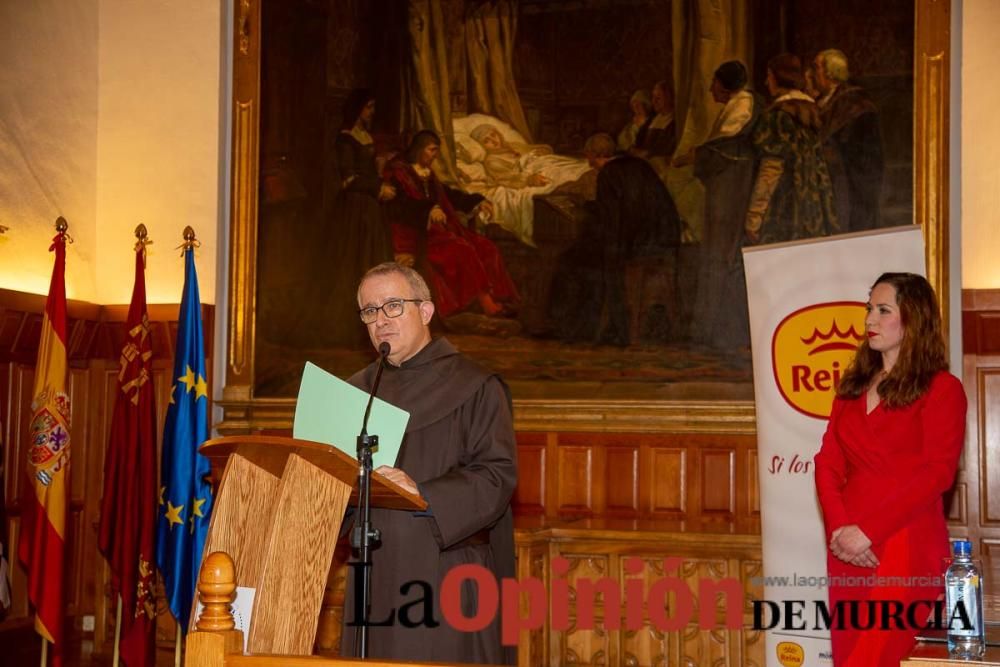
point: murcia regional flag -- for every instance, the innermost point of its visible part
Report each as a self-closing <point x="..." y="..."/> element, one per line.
<point x="42" y="543"/>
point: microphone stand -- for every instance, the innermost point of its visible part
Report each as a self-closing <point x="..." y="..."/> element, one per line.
<point x="364" y="536"/>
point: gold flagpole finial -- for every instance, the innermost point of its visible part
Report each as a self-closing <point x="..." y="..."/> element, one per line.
<point x="142" y="234"/>
<point x="190" y="242"/>
<point x="62" y="228"/>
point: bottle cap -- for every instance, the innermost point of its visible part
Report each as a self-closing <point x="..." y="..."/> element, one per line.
<point x="962" y="547"/>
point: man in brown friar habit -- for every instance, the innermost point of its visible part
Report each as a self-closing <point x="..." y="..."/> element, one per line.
<point x="459" y="454"/>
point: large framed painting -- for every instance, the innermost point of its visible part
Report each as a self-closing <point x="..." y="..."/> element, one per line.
<point x="574" y="178"/>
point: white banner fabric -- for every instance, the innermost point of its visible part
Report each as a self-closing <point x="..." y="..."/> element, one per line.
<point x="807" y="315"/>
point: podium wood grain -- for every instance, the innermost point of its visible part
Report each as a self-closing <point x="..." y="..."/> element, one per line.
<point x="278" y="512"/>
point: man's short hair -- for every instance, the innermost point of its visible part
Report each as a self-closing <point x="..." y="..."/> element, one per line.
<point x="417" y="283"/>
<point x="787" y="71"/>
<point x="834" y="64"/>
<point x="599" y="145"/>
<point x="419" y="142"/>
<point x="732" y="74"/>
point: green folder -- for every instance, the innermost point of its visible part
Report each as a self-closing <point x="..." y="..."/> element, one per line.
<point x="330" y="411"/>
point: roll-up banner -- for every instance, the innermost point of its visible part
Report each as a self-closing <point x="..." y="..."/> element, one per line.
<point x="807" y="311"/>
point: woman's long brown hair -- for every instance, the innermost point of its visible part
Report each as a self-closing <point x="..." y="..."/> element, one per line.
<point x="921" y="353"/>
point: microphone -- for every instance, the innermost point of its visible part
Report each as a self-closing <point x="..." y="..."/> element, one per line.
<point x="383" y="352"/>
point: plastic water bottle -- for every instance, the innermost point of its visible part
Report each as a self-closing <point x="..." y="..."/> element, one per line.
<point x="964" y="584"/>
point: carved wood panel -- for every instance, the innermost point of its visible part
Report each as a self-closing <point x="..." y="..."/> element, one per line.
<point x="608" y="572"/>
<point x="975" y="503"/>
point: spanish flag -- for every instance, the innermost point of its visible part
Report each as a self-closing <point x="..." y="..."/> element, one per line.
<point x="42" y="545"/>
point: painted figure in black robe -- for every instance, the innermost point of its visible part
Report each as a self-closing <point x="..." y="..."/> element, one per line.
<point x="852" y="143"/>
<point x="725" y="164"/>
<point x="632" y="217"/>
<point x="459" y="454"/>
<point x="357" y="236"/>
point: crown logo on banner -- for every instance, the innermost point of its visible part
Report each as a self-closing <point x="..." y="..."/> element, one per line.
<point x="790" y="654"/>
<point x="811" y="348"/>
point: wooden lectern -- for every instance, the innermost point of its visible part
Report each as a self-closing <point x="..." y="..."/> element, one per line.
<point x="277" y="513"/>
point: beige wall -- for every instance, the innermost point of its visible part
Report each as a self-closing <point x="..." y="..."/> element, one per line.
<point x="109" y="115"/>
<point x="48" y="141"/>
<point x="980" y="131"/>
<point x="158" y="150"/>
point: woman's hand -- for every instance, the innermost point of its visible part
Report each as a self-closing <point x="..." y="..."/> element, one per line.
<point x="538" y="179"/>
<point x="851" y="545"/>
<point x="867" y="559"/>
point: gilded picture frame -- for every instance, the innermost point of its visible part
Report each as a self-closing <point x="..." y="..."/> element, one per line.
<point x="245" y="412"/>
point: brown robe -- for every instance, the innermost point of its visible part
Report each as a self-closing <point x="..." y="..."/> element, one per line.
<point x="459" y="448"/>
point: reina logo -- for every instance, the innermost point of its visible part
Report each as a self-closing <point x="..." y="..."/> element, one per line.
<point x="811" y="348"/>
<point x="790" y="654"/>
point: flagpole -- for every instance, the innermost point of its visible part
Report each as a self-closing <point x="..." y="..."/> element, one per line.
<point x="177" y="647"/>
<point x="45" y="652"/>
<point x="118" y="632"/>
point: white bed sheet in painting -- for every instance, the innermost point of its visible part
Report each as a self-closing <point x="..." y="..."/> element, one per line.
<point x="513" y="208"/>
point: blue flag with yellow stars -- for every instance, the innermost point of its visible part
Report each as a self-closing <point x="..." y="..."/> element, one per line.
<point x="185" y="492"/>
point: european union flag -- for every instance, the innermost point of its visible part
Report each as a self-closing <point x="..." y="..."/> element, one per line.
<point x="185" y="493"/>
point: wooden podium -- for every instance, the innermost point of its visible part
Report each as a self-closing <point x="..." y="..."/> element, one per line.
<point x="277" y="513"/>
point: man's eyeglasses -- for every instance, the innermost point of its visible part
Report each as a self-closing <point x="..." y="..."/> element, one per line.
<point x="391" y="308"/>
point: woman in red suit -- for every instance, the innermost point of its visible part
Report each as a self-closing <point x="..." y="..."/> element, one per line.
<point x="889" y="454"/>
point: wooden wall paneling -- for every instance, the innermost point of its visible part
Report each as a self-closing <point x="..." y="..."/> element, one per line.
<point x="79" y="537"/>
<point x="666" y="480"/>
<point x="976" y="492"/>
<point x="620" y="478"/>
<point x="988" y="433"/>
<point x="751" y="483"/>
<point x="551" y="475"/>
<point x="22" y="380"/>
<point x="717" y="468"/>
<point x="529" y="496"/>
<point x="575" y="483"/>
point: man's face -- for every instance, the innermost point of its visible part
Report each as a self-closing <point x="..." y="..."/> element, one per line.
<point x="428" y="155"/>
<point x="823" y="83"/>
<point x="406" y="334"/>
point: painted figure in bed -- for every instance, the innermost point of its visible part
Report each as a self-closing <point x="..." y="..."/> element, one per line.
<point x="503" y="164"/>
<point x="464" y="268"/>
<point x="495" y="161"/>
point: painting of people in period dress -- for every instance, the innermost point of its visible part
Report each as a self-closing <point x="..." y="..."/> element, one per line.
<point x="576" y="179"/>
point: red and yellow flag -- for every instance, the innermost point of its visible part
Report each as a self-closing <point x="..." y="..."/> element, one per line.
<point x="128" y="506"/>
<point x="41" y="547"/>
